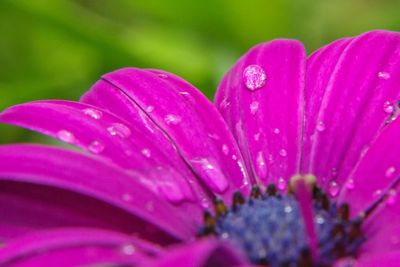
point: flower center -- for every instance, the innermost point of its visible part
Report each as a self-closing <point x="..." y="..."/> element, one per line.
<point x="270" y="230"/>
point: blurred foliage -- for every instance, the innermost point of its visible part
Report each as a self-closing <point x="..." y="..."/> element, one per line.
<point x="58" y="48"/>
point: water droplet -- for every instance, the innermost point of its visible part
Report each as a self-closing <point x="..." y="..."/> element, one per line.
<point x="66" y="136"/>
<point x="150" y="109"/>
<point x="146" y="152"/>
<point x="225" y="149"/>
<point x="224" y="104"/>
<point x="320" y="220"/>
<point x="283" y="152"/>
<point x="128" y="249"/>
<point x="171" y="119"/>
<point x="321" y="126"/>
<point x="150" y="206"/>
<point x="390" y="171"/>
<point x="377" y="193"/>
<point x="392" y="197"/>
<point x="211" y="172"/>
<point x="127" y="197"/>
<point x="288" y="209"/>
<point x="119" y="129"/>
<point x="261" y="165"/>
<point x="388" y="107"/>
<point x="254" y="107"/>
<point x="254" y="77"/>
<point x="234" y="157"/>
<point x="350" y="184"/>
<point x="281" y="184"/>
<point x="333" y="189"/>
<point x="93" y="113"/>
<point x="257" y="136"/>
<point x="96" y="147"/>
<point x="184" y="93"/>
<point x="277" y="131"/>
<point x="162" y="75"/>
<point x="213" y="136"/>
<point x="384" y="75"/>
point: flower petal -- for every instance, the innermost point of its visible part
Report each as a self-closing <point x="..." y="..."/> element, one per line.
<point x="184" y="114"/>
<point x="375" y="180"/>
<point x="202" y="253"/>
<point x="72" y="247"/>
<point x="94" y="178"/>
<point x="267" y="121"/>
<point x="345" y="108"/>
<point x="104" y="134"/>
<point x="382" y="259"/>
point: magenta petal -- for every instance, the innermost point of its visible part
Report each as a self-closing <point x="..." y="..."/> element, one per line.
<point x="89" y="176"/>
<point x="207" y="252"/>
<point x="72" y="247"/>
<point x="348" y="85"/>
<point x="192" y="123"/>
<point x="382" y="259"/>
<point x="374" y="177"/>
<point x="267" y="121"/>
<point x="104" y="134"/>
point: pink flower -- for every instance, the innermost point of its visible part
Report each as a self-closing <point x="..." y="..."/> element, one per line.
<point x="307" y="147"/>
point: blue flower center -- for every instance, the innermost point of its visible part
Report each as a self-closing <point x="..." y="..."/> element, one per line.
<point x="269" y="228"/>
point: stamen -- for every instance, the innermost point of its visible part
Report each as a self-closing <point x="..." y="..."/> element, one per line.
<point x="255" y="192"/>
<point x="220" y="208"/>
<point x="238" y="200"/>
<point x="271" y="190"/>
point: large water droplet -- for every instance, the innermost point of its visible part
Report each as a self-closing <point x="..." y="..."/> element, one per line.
<point x="225" y="149"/>
<point x="390" y="171"/>
<point x="254" y="107"/>
<point x="384" y="75"/>
<point x="171" y="119"/>
<point x="388" y="107"/>
<point x="283" y="152"/>
<point x="277" y="131"/>
<point x="333" y="189"/>
<point x="66" y="136"/>
<point x="149" y="109"/>
<point x="146" y="152"/>
<point x="254" y="77"/>
<point x="281" y="184"/>
<point x="320" y="126"/>
<point x="96" y="147"/>
<point x="119" y="129"/>
<point x="211" y="172"/>
<point x="93" y="113"/>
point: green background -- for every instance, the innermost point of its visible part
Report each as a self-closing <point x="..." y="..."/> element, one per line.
<point x="58" y="48"/>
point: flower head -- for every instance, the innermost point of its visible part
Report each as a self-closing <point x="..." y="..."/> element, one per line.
<point x="295" y="164"/>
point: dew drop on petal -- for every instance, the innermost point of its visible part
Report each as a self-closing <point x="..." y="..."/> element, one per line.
<point x="254" y="77"/>
<point x="350" y="184"/>
<point x="261" y="165"/>
<point x="392" y="197"/>
<point x="321" y="126"/>
<point x="211" y="172"/>
<point x="384" y="75"/>
<point x="128" y="249"/>
<point x="283" y="152"/>
<point x="388" y="107"/>
<point x="234" y="157"/>
<point x="146" y="152"/>
<point x="377" y="193"/>
<point x="281" y="184"/>
<point x="162" y="75"/>
<point x="254" y="107"/>
<point x="257" y="136"/>
<point x="333" y="189"/>
<point x="225" y="149"/>
<point x="66" y="136"/>
<point x="171" y="119"/>
<point x="93" y="113"/>
<point x="119" y="129"/>
<point x="149" y="109"/>
<point x="277" y="131"/>
<point x="96" y="147"/>
<point x="390" y="171"/>
<point x="126" y="197"/>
